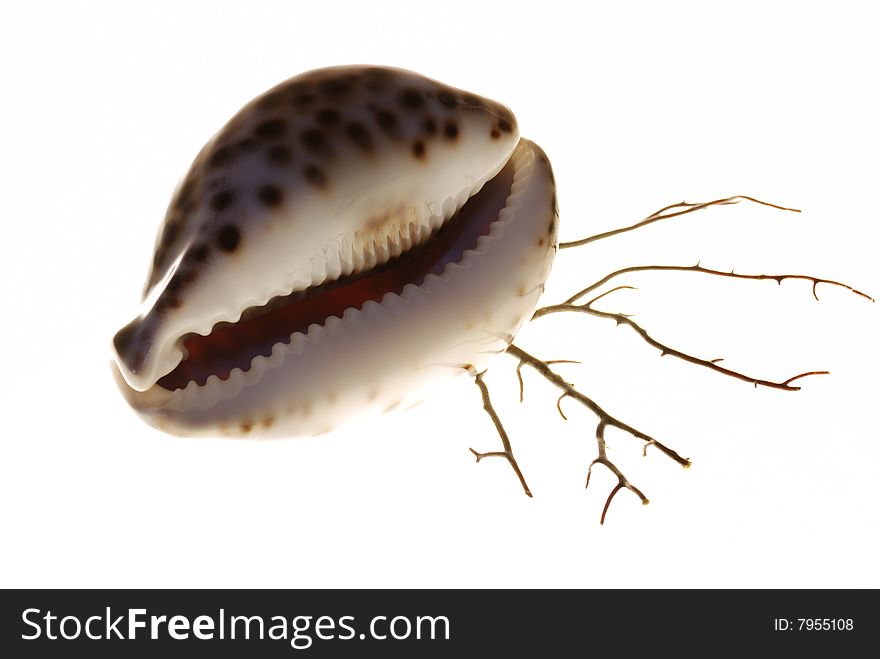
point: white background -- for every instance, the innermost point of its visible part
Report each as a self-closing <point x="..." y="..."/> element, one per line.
<point x="637" y="106"/>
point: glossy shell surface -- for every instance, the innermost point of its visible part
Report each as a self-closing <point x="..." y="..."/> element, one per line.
<point x="331" y="177"/>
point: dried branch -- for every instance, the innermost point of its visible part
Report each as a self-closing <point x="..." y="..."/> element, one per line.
<point x="605" y="420"/>
<point x="622" y="481"/>
<point x="712" y="364"/>
<point x="664" y="214"/>
<point x="507" y="453"/>
<point x="573" y="304"/>
<point x="698" y="268"/>
<point x="552" y="361"/>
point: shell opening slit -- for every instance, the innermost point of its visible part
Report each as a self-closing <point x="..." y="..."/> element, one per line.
<point x="260" y="329"/>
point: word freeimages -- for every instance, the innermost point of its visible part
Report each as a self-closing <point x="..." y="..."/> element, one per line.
<point x="301" y="630"/>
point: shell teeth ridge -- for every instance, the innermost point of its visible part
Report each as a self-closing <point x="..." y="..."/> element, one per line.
<point x="396" y="243"/>
<point x="206" y="325"/>
<point x="207" y="395"/>
<point x="411" y="294"/>
<point x="350" y="259"/>
<point x="185" y="398"/>
<point x="356" y="256"/>
<point x="384" y="250"/>
<point x="411" y="235"/>
<point x="334" y="266"/>
<point x="330" y="264"/>
<point x="346" y="257"/>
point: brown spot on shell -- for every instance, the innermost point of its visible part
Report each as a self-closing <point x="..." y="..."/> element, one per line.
<point x="271" y="129"/>
<point x="270" y="195"/>
<point x="314" y="140"/>
<point x="495" y="133"/>
<point x="430" y="126"/>
<point x="228" y="238"/>
<point x="222" y="200"/>
<point x="360" y="136"/>
<point x="410" y="99"/>
<point x="268" y="422"/>
<point x="505" y="126"/>
<point x="226" y="154"/>
<point x="246" y="427"/>
<point x="315" y="175"/>
<point x="450" y="130"/>
<point x="540" y="242"/>
<point x="387" y="121"/>
<point x="418" y="149"/>
<point x="447" y="99"/>
<point x="221" y="157"/>
<point x="383" y="220"/>
<point x="180" y="279"/>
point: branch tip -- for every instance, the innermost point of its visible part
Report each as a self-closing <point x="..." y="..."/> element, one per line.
<point x="803" y="375"/>
<point x="507" y="453"/>
<point x="684" y="209"/>
<point x="571" y="304"/>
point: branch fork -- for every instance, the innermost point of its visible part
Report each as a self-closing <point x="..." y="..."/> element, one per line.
<point x="573" y="304"/>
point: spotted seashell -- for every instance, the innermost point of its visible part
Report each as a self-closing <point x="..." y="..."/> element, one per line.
<point x="348" y="237"/>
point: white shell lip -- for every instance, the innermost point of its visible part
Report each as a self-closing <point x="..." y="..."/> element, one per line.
<point x="330" y="264"/>
<point x="148" y="348"/>
<point x="214" y="406"/>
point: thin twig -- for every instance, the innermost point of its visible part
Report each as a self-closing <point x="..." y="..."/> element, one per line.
<point x="605" y="420"/>
<point x="507" y="453"/>
<point x="559" y="404"/>
<point x="712" y="364"/>
<point x="622" y="319"/>
<point x="622" y="481"/>
<point x="708" y="271"/>
<point x="662" y="214"/>
<point x="551" y="361"/>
